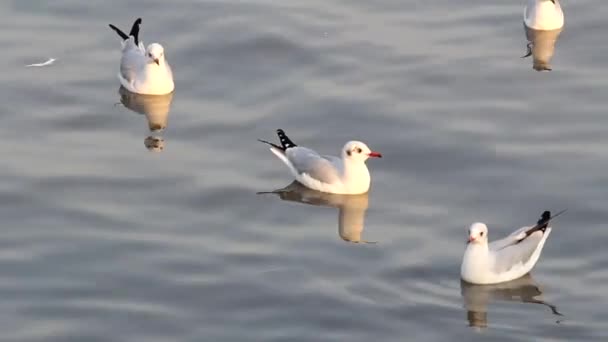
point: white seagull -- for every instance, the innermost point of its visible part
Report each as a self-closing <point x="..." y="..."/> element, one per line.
<point x="506" y="259"/>
<point x="143" y="70"/>
<point x="543" y="15"/>
<point x="347" y="175"/>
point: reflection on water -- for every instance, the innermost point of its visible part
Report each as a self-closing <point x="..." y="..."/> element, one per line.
<point x="154" y="143"/>
<point x="477" y="297"/>
<point x="156" y="109"/>
<point x="541" y="46"/>
<point x="351" y="208"/>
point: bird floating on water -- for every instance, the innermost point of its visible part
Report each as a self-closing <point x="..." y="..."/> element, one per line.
<point x="505" y="259"/>
<point x="346" y="175"/>
<point x="143" y="70"/>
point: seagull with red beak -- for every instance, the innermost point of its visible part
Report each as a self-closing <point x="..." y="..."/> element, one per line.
<point x="506" y="259"/>
<point x="347" y="174"/>
<point x="143" y="70"/>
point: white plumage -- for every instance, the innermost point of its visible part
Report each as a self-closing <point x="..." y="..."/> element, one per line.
<point x="346" y="175"/>
<point x="505" y="259"/>
<point x="543" y="15"/>
<point x="143" y="70"/>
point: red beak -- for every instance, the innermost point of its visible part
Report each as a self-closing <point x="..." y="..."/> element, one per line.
<point x="374" y="154"/>
<point x="471" y="239"/>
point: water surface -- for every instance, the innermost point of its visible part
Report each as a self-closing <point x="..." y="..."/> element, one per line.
<point x="104" y="240"/>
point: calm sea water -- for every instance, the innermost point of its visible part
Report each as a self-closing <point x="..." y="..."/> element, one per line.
<point x="104" y="239"/>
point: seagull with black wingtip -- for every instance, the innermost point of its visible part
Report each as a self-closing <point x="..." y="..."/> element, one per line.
<point x="505" y="259"/>
<point x="143" y="70"/>
<point x="346" y="175"/>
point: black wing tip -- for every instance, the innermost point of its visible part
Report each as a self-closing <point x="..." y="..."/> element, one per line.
<point x="545" y="216"/>
<point x="284" y="139"/>
<point x="119" y="32"/>
<point x="543" y="222"/>
<point x="135" y="30"/>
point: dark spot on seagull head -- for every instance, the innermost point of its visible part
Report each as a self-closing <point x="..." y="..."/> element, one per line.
<point x="357" y="150"/>
<point x="155" y="53"/>
<point x="478" y="233"/>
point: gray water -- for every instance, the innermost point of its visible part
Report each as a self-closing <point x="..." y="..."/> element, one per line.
<point x="105" y="240"/>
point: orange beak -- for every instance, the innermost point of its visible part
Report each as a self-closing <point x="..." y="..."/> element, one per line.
<point x="374" y="154"/>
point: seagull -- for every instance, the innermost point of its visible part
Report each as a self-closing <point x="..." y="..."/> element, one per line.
<point x="543" y="15"/>
<point x="506" y="259"/>
<point x="347" y="175"/>
<point x="143" y="70"/>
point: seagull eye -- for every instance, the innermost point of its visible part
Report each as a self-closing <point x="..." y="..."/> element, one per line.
<point x="150" y="55"/>
<point x="481" y="234"/>
<point x="358" y="149"/>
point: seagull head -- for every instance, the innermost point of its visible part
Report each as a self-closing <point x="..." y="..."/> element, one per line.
<point x="356" y="150"/>
<point x="478" y="233"/>
<point x="155" y="53"/>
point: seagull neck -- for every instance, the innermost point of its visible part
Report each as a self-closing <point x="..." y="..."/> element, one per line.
<point x="355" y="174"/>
<point x="477" y="248"/>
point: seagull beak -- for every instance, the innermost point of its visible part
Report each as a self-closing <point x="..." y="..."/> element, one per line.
<point x="374" y="154"/>
<point x="471" y="239"/>
<point x="156" y="61"/>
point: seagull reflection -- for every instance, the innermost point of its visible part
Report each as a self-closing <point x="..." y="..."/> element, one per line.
<point x="156" y="109"/>
<point x="477" y="297"/>
<point x="541" y="46"/>
<point x="351" y="208"/>
<point x="543" y="22"/>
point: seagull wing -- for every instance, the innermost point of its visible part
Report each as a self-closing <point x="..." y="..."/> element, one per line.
<point x="309" y="162"/>
<point x="132" y="61"/>
<point x="509" y="240"/>
<point x="517" y="254"/>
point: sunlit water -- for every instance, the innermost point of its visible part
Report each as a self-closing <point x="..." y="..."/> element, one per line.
<point x="105" y="239"/>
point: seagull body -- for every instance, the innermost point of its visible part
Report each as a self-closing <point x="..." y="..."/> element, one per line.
<point x="346" y="175"/>
<point x="543" y="15"/>
<point x="506" y="259"/>
<point x="143" y="70"/>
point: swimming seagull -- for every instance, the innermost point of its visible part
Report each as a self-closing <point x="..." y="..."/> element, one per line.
<point x="347" y="175"/>
<point x="543" y="15"/>
<point x="143" y="70"/>
<point x="506" y="259"/>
